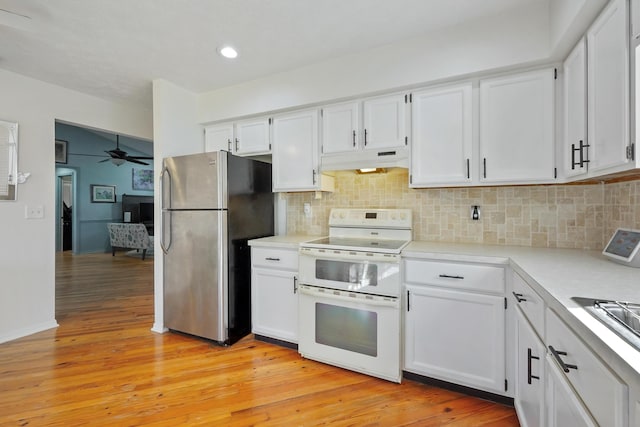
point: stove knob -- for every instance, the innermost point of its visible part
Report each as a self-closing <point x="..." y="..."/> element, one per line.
<point x="335" y="215"/>
<point x="393" y="217"/>
<point x="403" y="216"/>
<point x="342" y="215"/>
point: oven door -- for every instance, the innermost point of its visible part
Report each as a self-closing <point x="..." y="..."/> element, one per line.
<point x="354" y="331"/>
<point x="367" y="272"/>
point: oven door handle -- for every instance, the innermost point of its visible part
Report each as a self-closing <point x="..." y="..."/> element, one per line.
<point x="375" y="301"/>
<point x="350" y="256"/>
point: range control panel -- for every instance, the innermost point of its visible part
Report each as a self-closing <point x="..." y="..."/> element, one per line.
<point x="371" y="218"/>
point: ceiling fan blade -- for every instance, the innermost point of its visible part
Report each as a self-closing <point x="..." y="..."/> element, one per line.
<point x="132" y="160"/>
<point x="105" y="160"/>
<point x="141" y="157"/>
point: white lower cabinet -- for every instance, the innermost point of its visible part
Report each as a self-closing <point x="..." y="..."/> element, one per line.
<point x="454" y="334"/>
<point x="604" y="395"/>
<point x="530" y="377"/>
<point x="563" y="406"/>
<point x="274" y="298"/>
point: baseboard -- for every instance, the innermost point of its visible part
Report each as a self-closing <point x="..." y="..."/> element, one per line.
<point x="275" y="341"/>
<point x="459" y="388"/>
<point x="23" y="332"/>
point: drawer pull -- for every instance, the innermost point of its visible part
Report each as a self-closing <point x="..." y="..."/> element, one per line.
<point x="447" y="276"/>
<point x="565" y="366"/>
<point x="529" y="358"/>
<point x="272" y="259"/>
<point x="295" y="284"/>
<point x="519" y="297"/>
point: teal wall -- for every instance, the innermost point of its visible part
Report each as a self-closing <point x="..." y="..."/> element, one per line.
<point x="85" y="150"/>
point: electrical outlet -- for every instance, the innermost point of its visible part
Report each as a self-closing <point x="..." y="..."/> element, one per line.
<point x="307" y="210"/>
<point x="475" y="212"/>
<point x="34" y="212"/>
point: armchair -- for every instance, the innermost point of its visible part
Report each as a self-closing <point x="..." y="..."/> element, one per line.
<point x="131" y="236"/>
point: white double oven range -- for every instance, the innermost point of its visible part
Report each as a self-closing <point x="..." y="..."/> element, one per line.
<point x="349" y="291"/>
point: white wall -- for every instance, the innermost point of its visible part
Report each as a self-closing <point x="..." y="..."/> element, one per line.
<point x="513" y="39"/>
<point x="175" y="132"/>
<point x="27" y="263"/>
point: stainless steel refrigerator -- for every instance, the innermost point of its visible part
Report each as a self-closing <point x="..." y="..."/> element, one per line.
<point x="212" y="204"/>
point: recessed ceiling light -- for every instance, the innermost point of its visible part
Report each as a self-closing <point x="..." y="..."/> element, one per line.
<point x="228" y="52"/>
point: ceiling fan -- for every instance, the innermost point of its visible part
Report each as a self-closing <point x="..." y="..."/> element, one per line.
<point x="119" y="157"/>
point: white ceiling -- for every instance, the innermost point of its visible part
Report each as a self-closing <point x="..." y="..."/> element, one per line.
<point x="113" y="49"/>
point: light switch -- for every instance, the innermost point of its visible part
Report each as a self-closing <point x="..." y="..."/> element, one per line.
<point x="34" y="212"/>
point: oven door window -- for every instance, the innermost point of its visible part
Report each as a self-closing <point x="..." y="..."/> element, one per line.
<point x="361" y="273"/>
<point x="347" y="328"/>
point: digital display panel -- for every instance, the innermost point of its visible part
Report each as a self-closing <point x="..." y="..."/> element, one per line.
<point x="623" y="243"/>
<point x="370" y="215"/>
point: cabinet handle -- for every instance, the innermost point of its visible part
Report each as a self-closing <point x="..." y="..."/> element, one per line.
<point x="518" y="297"/>
<point x="573" y="156"/>
<point x="408" y="301"/>
<point x="272" y="259"/>
<point x="468" y="170"/>
<point x="236" y="145"/>
<point x="314" y="177"/>
<point x="365" y="137"/>
<point x="447" y="276"/>
<point x="565" y="366"/>
<point x="229" y="144"/>
<point x="484" y="167"/>
<point x="354" y="138"/>
<point x="295" y="284"/>
<point x="529" y="358"/>
<point x="583" y="158"/>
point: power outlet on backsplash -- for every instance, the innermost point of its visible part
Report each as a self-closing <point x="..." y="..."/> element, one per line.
<point x="475" y="212"/>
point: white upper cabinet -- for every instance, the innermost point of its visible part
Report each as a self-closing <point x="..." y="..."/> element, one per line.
<point x="340" y="127"/>
<point x="295" y="151"/>
<point x="517" y="128"/>
<point x="384" y="122"/>
<point x="442" y="126"/>
<point x="252" y="137"/>
<point x="219" y="137"/>
<point x="608" y="90"/>
<point x="575" y="147"/>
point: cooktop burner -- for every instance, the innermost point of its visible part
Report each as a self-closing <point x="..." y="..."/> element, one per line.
<point x="347" y="243"/>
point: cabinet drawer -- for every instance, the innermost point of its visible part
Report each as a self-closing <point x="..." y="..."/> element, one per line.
<point x="530" y="303"/>
<point x="455" y="275"/>
<point x="604" y="395"/>
<point x="286" y="259"/>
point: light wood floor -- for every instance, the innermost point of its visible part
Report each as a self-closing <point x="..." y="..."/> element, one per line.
<point x="103" y="366"/>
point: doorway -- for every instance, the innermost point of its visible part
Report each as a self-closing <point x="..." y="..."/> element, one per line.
<point x="66" y="229"/>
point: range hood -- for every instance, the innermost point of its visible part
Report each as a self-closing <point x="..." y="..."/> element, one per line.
<point x="364" y="159"/>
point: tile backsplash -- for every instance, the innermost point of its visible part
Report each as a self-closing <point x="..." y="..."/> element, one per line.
<point x="563" y="216"/>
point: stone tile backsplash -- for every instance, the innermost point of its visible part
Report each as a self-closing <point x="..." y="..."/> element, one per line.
<point x="562" y="216"/>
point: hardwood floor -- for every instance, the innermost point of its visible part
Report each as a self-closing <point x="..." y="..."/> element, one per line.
<point x="103" y="366"/>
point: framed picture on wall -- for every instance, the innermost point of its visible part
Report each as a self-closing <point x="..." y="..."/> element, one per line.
<point x="103" y="193"/>
<point x="61" y="151"/>
<point x="143" y="179"/>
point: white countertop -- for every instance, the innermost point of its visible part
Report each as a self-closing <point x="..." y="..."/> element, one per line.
<point x="289" y="241"/>
<point x="557" y="275"/>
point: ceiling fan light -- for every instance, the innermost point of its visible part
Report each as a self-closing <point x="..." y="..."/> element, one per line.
<point x="117" y="162"/>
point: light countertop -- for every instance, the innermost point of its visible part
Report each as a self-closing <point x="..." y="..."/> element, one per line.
<point x="289" y="241"/>
<point x="557" y="275"/>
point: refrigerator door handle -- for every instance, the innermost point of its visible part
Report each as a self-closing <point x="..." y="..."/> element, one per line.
<point x="165" y="249"/>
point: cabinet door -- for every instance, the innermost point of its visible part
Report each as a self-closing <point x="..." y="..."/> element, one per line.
<point x="274" y="304"/>
<point x="218" y="137"/>
<point x="385" y="122"/>
<point x="340" y="125"/>
<point x="295" y="151"/>
<point x="562" y="405"/>
<point x="252" y="137"/>
<point x="575" y="152"/>
<point x="441" y="122"/>
<point x="529" y="394"/>
<point x="608" y="84"/>
<point x="456" y="336"/>
<point x="516" y="128"/>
